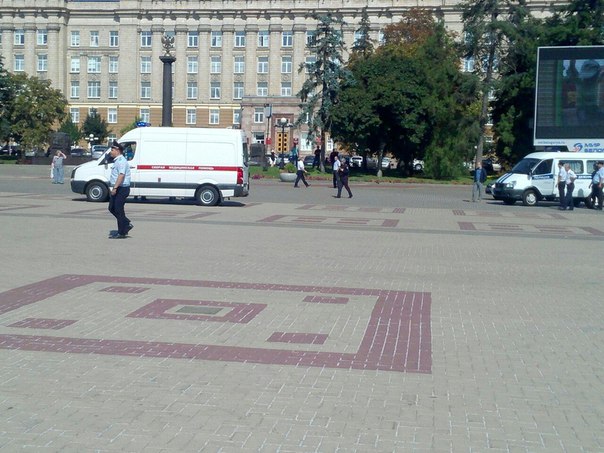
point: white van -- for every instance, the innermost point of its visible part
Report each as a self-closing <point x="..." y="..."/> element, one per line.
<point x="206" y="164"/>
<point x="535" y="178"/>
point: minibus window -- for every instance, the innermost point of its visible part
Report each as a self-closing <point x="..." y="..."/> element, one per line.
<point x="592" y="165"/>
<point x="525" y="166"/>
<point x="544" y="167"/>
<point x="245" y="154"/>
<point x="575" y="165"/>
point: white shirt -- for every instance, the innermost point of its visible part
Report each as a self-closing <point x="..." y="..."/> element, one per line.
<point x="336" y="165"/>
<point x="562" y="175"/>
<point x="570" y="177"/>
<point x="300" y="165"/>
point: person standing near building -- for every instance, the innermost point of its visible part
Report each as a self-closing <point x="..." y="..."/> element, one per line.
<point x="561" y="185"/>
<point x="120" y="189"/>
<point x="597" y="182"/>
<point x="480" y="176"/>
<point x="317" y="159"/>
<point x="301" y="171"/>
<point x="293" y="156"/>
<point x="569" y="204"/>
<point x="58" y="172"/>
<point x="344" y="171"/>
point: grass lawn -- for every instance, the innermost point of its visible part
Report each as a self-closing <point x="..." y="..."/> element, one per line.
<point x="357" y="175"/>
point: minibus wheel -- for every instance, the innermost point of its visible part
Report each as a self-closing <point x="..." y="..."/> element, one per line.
<point x="97" y="191"/>
<point x="529" y="198"/>
<point x="207" y="196"/>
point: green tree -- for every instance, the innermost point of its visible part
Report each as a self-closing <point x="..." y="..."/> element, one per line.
<point x="483" y="42"/>
<point x="6" y="100"/>
<point x="71" y="129"/>
<point x="320" y="91"/>
<point x="363" y="46"/>
<point x="35" y="109"/>
<point x="95" y="125"/>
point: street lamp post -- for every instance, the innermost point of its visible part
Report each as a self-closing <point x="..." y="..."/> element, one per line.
<point x="283" y="123"/>
<point x="91" y="139"/>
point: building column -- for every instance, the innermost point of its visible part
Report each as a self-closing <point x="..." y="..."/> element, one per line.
<point x="55" y="57"/>
<point x="274" y="60"/>
<point x="30" y="49"/>
<point x="8" y="32"/>
<point x="156" y="67"/>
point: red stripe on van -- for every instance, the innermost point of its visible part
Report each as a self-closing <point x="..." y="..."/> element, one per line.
<point x="185" y="167"/>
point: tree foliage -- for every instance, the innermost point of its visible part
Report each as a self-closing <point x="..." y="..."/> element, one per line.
<point x="71" y="129"/>
<point x="34" y="110"/>
<point x="320" y="91"/>
<point x="95" y="125"/>
<point x="409" y="98"/>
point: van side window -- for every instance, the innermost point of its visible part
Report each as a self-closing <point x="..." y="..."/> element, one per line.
<point x="129" y="150"/>
<point x="592" y="165"/>
<point x="576" y="166"/>
<point x="544" y="167"/>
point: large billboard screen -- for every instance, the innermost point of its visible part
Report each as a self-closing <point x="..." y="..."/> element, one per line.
<point x="569" y="101"/>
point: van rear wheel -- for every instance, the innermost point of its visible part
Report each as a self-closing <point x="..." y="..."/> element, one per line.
<point x="529" y="198"/>
<point x="208" y="196"/>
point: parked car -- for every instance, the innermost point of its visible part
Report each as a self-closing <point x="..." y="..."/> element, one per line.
<point x="356" y="161"/>
<point x="385" y="162"/>
<point x="12" y="150"/>
<point x="282" y="157"/>
<point x="491" y="166"/>
<point x="308" y="161"/>
<point x="77" y="152"/>
<point x="98" y="151"/>
<point x="418" y="165"/>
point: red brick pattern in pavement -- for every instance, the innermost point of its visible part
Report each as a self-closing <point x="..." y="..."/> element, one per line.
<point x="397" y="336"/>
<point x="323" y="220"/>
<point x="302" y="338"/>
<point x="528" y="228"/>
<point x="41" y="323"/>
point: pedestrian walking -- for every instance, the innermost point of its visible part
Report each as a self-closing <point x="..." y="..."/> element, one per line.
<point x="301" y="171"/>
<point x="562" y="185"/>
<point x="333" y="160"/>
<point x="344" y="171"/>
<point x="480" y="176"/>
<point x="317" y="159"/>
<point x="120" y="189"/>
<point x="570" y="187"/>
<point x="58" y="172"/>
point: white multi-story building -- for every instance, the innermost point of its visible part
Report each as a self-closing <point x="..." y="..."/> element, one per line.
<point x="233" y="57"/>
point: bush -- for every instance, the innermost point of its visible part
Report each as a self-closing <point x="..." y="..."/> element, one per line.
<point x="290" y="168"/>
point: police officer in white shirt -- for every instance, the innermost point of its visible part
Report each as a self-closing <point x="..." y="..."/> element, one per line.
<point x="561" y="184"/>
<point x="598" y="184"/>
<point x="570" y="187"/>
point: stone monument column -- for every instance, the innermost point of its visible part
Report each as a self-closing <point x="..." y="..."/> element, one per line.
<point x="167" y="59"/>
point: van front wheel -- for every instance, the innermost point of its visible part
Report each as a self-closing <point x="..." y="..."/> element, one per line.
<point x="208" y="196"/>
<point x="529" y="198"/>
<point x="97" y="191"/>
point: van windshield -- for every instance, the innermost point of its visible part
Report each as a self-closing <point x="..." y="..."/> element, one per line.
<point x="525" y="166"/>
<point x="245" y="154"/>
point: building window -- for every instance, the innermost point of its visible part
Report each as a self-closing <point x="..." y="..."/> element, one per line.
<point x="191" y="116"/>
<point x="262" y="67"/>
<point x="19" y="63"/>
<point x="215" y="90"/>
<point x="112" y="90"/>
<point x="145" y="65"/>
<point x="192" y="65"/>
<point x="215" y="64"/>
<point x="214" y="116"/>
<point x="146" y="39"/>
<point x="468" y="64"/>
<point x="286" y="88"/>
<point x="287" y="39"/>
<point x="238" y="90"/>
<point x="311" y="37"/>
<point x="75" y="39"/>
<point x="239" y="64"/>
<point x="309" y="61"/>
<point x="262" y="89"/>
<point x="145" y="90"/>
<point x="263" y="38"/>
<point x="94" y="90"/>
<point x="286" y="64"/>
<point x="236" y="116"/>
<point x="216" y="39"/>
<point x="259" y="115"/>
<point x="94" y="65"/>
<point x="42" y="37"/>
<point x="74" y="112"/>
<point x="113" y="64"/>
<point x="381" y="38"/>
<point x="19" y="37"/>
<point x="94" y="39"/>
<point x="144" y="115"/>
<point x="112" y="115"/>
<point x="42" y="63"/>
<point x="239" y="39"/>
<point x="75" y="65"/>
<point x="74" y="93"/>
<point x="114" y="39"/>
<point x="193" y="39"/>
<point x="192" y="90"/>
